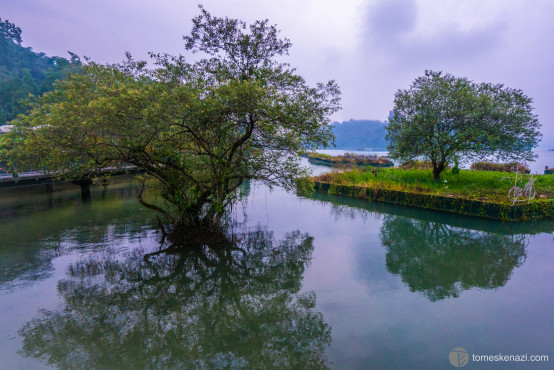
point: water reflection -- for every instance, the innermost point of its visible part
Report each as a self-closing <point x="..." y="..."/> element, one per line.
<point x="438" y="254"/>
<point x="31" y="240"/>
<point x="361" y="209"/>
<point x="204" y="307"/>
<point x="440" y="260"/>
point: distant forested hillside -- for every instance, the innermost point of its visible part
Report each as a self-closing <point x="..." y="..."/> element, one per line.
<point x="360" y="135"/>
<point x="24" y="72"/>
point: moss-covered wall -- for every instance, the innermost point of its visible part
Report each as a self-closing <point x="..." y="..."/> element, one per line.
<point x="506" y="212"/>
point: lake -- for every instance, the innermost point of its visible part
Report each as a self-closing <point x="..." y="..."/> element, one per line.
<point x="312" y="282"/>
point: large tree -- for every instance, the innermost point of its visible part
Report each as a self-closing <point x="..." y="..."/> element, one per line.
<point x="443" y="119"/>
<point x="198" y="130"/>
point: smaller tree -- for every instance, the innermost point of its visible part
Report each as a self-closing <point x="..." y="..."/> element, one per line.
<point x="443" y="119"/>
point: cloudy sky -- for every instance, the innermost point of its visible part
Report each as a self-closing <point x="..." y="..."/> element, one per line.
<point x="370" y="47"/>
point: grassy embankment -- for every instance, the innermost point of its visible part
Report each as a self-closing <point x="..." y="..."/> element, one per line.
<point x="349" y="159"/>
<point x="485" y="186"/>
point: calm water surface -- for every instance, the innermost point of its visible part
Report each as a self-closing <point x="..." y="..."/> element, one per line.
<point x="311" y="283"/>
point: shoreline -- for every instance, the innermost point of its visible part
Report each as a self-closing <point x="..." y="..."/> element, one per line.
<point x="485" y="209"/>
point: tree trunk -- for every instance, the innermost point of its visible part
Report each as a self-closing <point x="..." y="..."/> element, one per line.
<point x="85" y="189"/>
<point x="437" y="169"/>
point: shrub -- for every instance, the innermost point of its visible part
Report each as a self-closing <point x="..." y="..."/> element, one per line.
<point x="500" y="167"/>
<point x="416" y="165"/>
<point x="366" y="158"/>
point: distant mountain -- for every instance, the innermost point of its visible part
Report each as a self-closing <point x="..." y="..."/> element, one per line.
<point x="360" y="135"/>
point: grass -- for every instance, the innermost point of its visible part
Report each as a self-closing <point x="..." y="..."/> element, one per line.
<point x="500" y="167"/>
<point x="476" y="185"/>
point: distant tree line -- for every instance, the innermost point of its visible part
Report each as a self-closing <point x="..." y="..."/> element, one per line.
<point x="24" y="72"/>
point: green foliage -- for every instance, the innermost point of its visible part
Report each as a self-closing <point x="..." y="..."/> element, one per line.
<point x="198" y="130"/>
<point x="500" y="167"/>
<point x="305" y="185"/>
<point x="416" y="164"/>
<point x="24" y="72"/>
<point x="442" y="117"/>
<point x="10" y="31"/>
<point x="481" y="185"/>
<point x="456" y="168"/>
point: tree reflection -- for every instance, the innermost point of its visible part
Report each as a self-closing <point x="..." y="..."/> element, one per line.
<point x="29" y="244"/>
<point x="441" y="261"/>
<point x="217" y="306"/>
